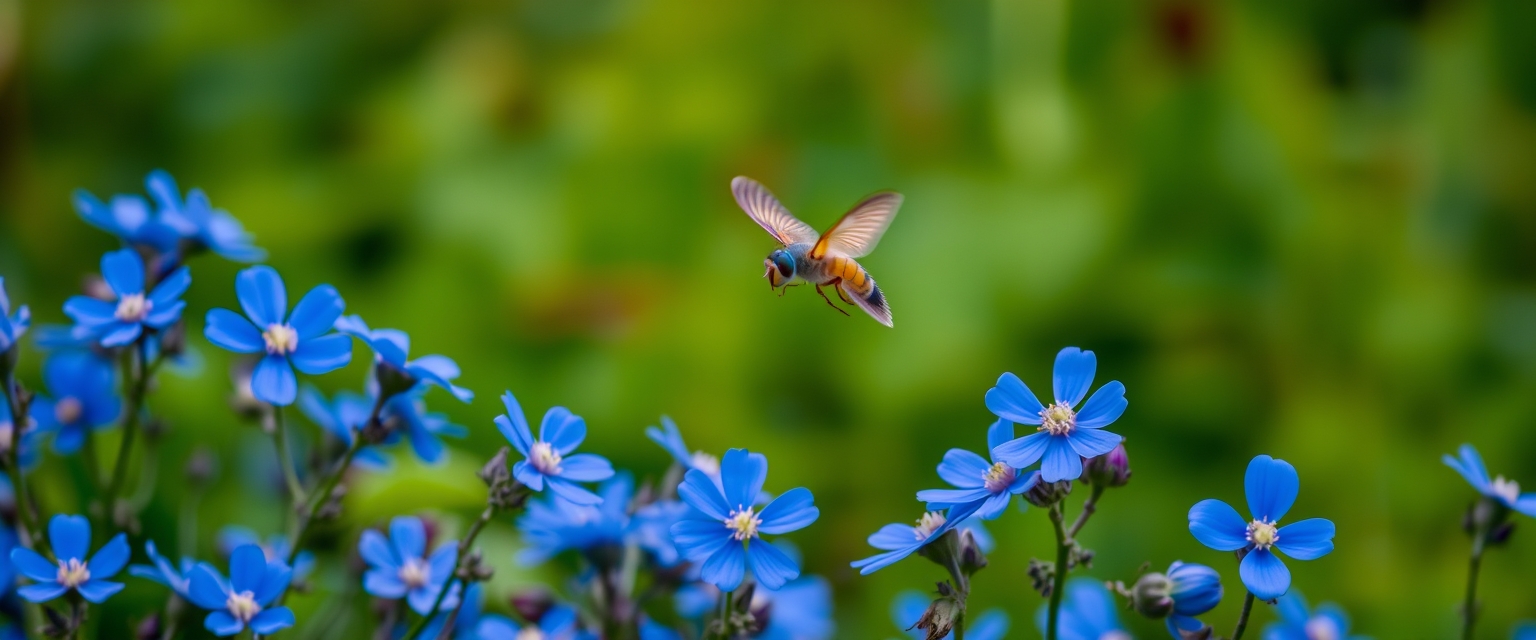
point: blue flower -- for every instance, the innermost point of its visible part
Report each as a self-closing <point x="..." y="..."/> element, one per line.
<point x="70" y="537"/>
<point x="399" y="567"/>
<point x="1271" y="486"/>
<point x="121" y="320"/>
<point x="671" y="439"/>
<point x="472" y="623"/>
<point x="422" y="428"/>
<point x="1064" y="435"/>
<point x="275" y="547"/>
<point x="7" y="568"/>
<point x="12" y="326"/>
<point x="177" y="577"/>
<point x="392" y="346"/>
<point x="991" y="483"/>
<point x="1195" y="589"/>
<point x="901" y="540"/>
<point x="555" y="524"/>
<point x="301" y="340"/>
<point x="559" y="623"/>
<point x="1297" y="622"/>
<point x="799" y="610"/>
<point x="1523" y="631"/>
<point x="83" y="399"/>
<point x="1507" y="492"/>
<point x="726" y="551"/>
<point x="548" y="460"/>
<point x="342" y="418"/>
<point x="130" y="219"/>
<point x="910" y="605"/>
<point x="246" y="598"/>
<point x="196" y="220"/>
<point x="1087" y="613"/>
<point x="652" y="529"/>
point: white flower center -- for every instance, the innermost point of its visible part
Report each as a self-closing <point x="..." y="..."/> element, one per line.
<point x="73" y="573"/>
<point x="1058" y="419"/>
<point x="133" y="307"/>
<point x="67" y="410"/>
<point x="929" y="523"/>
<point x="1115" y="635"/>
<point x="999" y="477"/>
<point x="1263" y="534"/>
<point x="1320" y="628"/>
<point x="545" y="458"/>
<point x="414" y="573"/>
<point x="242" y="605"/>
<point x="1508" y="490"/>
<point x="530" y="633"/>
<point x="742" y="523"/>
<point x="281" y="339"/>
<point x="709" y="464"/>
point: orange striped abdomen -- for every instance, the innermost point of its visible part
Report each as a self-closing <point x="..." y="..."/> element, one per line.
<point x="854" y="277"/>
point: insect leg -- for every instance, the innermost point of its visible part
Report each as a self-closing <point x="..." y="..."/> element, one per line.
<point x="829" y="300"/>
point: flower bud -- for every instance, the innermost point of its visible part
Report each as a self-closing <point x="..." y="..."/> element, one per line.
<point x="173" y="340"/>
<point x="1112" y="469"/>
<point x="392" y="380"/>
<point x="1187" y="628"/>
<point x="1150" y="596"/>
<point x="1045" y="494"/>
<point x="972" y="559"/>
<point x="1195" y="590"/>
<point x="1501" y="533"/>
<point x="1485" y="515"/>
<point x="939" y="619"/>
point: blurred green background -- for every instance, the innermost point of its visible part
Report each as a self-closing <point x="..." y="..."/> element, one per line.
<point x="1301" y="228"/>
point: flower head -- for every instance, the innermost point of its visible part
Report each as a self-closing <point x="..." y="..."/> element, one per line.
<point x="83" y="399"/>
<point x="553" y="525"/>
<point x="548" y="460"/>
<point x="897" y="541"/>
<point x="130" y="219"/>
<point x="559" y="623"/>
<point x="12" y="325"/>
<point x="1065" y="434"/>
<point x="472" y="623"/>
<point x="342" y="417"/>
<point x="990" y="482"/>
<point x="176" y="576"/>
<point x="121" y="320"/>
<point x="1297" y="622"/>
<point x="723" y="530"/>
<point x="424" y="429"/>
<point x="275" y="547"/>
<point x="400" y="568"/>
<point x="910" y="605"/>
<point x="70" y="537"/>
<point x="391" y="348"/>
<point x="671" y="439"/>
<point x="197" y="221"/>
<point x="299" y="340"/>
<point x="246" y="598"/>
<point x="1087" y="613"/>
<point x="1271" y="486"/>
<point x="1507" y="492"/>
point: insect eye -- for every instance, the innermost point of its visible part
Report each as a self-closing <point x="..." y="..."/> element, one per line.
<point x="785" y="264"/>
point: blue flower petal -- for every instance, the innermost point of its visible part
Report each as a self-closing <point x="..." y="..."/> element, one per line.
<point x="118" y="334"/>
<point x="276" y="580"/>
<point x="272" y="620"/>
<point x="525" y="473"/>
<point x="1000" y="432"/>
<point x="1218" y="526"/>
<point x="791" y="511"/>
<point x="377" y="551"/>
<point x="222" y="624"/>
<point x="70" y="536"/>
<point x="1073" y="374"/>
<point x="316" y="312"/>
<point x="1293" y="609"/>
<point x="1470" y="466"/>
<point x="963" y="469"/>
<point x="700" y="492"/>
<point x="944" y="498"/>
<point x="33" y="565"/>
<point x="1306" y="540"/>
<point x="89" y="311"/>
<point x="273" y="381"/>
<point x="206" y="589"/>
<point x="1060" y="461"/>
<point x="247" y="566"/>
<point x="323" y="354"/>
<point x="742" y="474"/>
<point x="41" y="592"/>
<point x="880" y="561"/>
<point x="1526" y="505"/>
<point x="1020" y="453"/>
<point x="123" y="271"/>
<point x="573" y="492"/>
<point x="1272" y="486"/>
<point x="110" y="558"/>
<point x="994" y="506"/>
<point x="230" y="331"/>
<point x="1264" y="574"/>
<point x="586" y="467"/>
<point x="384" y="583"/>
<point x="164" y="315"/>
<point x="892" y="537"/>
<point x="695" y="536"/>
<point x="770" y="566"/>
<point x="1091" y="443"/>
<point x="97" y="591"/>
<point x="563" y="430"/>
<point x="409" y="536"/>
<point x="262" y="295"/>
<point x="171" y="287"/>
<point x="1106" y="406"/>
<point x="725" y="568"/>
<point x="1012" y="400"/>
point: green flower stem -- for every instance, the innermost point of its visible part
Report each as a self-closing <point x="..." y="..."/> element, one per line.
<point x="1242" y="618"/>
<point x="31" y="536"/>
<point x="458" y="565"/>
<point x="1059" y="578"/>
<point x="1089" y="507"/>
<point x="131" y="421"/>
<point x="285" y="455"/>
<point x="960" y="623"/>
<point x="1469" y="605"/>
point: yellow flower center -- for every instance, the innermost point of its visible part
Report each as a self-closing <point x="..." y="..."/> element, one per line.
<point x="1509" y="490"/>
<point x="1263" y="534"/>
<point x="999" y="477"/>
<point x="1058" y="419"/>
<point x="73" y="573"/>
<point x="281" y="339"/>
<point x="242" y="605"/>
<point x="414" y="573"/>
<point x="67" y="410"/>
<point x="133" y="307"/>
<point x="929" y="523"/>
<point x="545" y="458"/>
<point x="743" y="523"/>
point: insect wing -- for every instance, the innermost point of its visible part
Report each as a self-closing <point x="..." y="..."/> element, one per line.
<point x="859" y="230"/>
<point x="765" y="210"/>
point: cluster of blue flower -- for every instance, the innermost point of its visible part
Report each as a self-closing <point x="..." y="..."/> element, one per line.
<point x="696" y="536"/>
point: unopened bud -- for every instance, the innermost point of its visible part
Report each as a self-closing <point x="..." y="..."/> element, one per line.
<point x="173" y="340"/>
<point x="532" y="604"/>
<point x="1190" y="628"/>
<point x="392" y="380"/>
<point x="1150" y="596"/>
<point x="1045" y="494"/>
<point x="1501" y="533"/>
<point x="945" y="551"/>
<point x="938" y="621"/>
<point x="1112" y="469"/>
<point x="972" y="559"/>
<point x="1485" y="515"/>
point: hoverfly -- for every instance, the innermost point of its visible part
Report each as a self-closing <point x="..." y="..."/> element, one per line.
<point x="826" y="259"/>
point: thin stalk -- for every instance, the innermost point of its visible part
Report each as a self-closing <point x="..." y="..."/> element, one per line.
<point x="327" y="486"/>
<point x="458" y="565"/>
<point x="92" y="460"/>
<point x="960" y="624"/>
<point x="1242" y="618"/>
<point x="1059" y="579"/>
<point x="130" y="427"/>
<point x="1469" y="606"/>
<point x="285" y="456"/>
<point x="730" y="609"/>
<point x="31" y="536"/>
<point x="1089" y="507"/>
